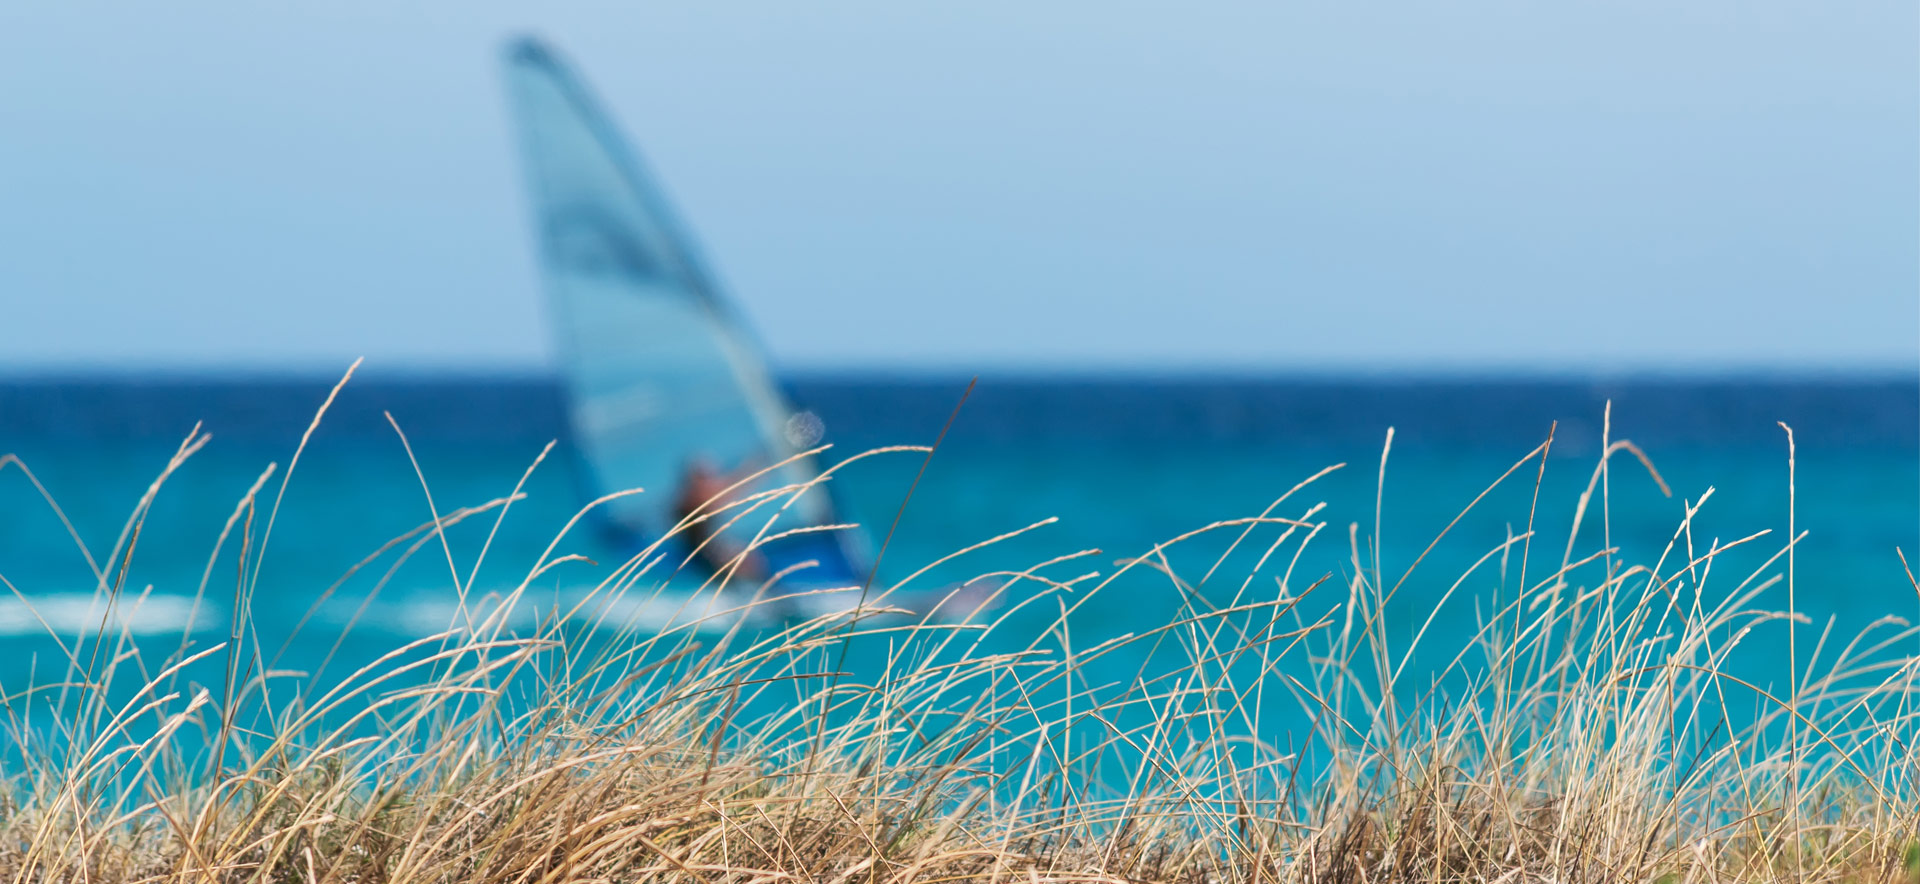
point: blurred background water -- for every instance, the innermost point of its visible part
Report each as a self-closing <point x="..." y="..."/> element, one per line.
<point x="1124" y="463"/>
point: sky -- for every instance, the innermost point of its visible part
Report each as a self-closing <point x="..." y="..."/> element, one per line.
<point x="982" y="186"/>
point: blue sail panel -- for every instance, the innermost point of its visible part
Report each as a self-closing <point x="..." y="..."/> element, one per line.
<point x="658" y="369"/>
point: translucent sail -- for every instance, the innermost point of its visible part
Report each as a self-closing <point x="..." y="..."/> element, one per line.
<point x="658" y="369"/>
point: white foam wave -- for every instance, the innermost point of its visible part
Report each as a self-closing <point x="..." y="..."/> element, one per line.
<point x="423" y="617"/>
<point x="673" y="608"/>
<point x="68" y="614"/>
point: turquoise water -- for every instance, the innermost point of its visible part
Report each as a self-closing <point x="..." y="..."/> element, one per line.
<point x="1121" y="464"/>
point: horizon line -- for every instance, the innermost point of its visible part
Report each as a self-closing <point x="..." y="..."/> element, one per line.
<point x="414" y="371"/>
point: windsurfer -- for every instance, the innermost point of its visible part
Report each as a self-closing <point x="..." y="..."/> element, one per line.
<point x="704" y="491"/>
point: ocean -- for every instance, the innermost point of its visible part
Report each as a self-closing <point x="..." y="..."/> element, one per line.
<point x="1121" y="464"/>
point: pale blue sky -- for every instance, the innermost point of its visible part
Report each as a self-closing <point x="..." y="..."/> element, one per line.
<point x="988" y="185"/>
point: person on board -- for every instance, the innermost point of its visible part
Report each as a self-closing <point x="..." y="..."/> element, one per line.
<point x="704" y="491"/>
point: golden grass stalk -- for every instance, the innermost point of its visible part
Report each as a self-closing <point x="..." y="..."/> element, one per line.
<point x="1591" y="729"/>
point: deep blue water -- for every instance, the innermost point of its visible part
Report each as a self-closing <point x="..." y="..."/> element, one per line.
<point x="1123" y="463"/>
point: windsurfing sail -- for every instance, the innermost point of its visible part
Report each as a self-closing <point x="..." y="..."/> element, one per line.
<point x="659" y="369"/>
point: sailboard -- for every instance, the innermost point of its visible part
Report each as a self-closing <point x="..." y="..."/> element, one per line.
<point x="658" y="367"/>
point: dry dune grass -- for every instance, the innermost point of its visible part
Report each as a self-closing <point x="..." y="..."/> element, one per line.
<point x="1588" y="731"/>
